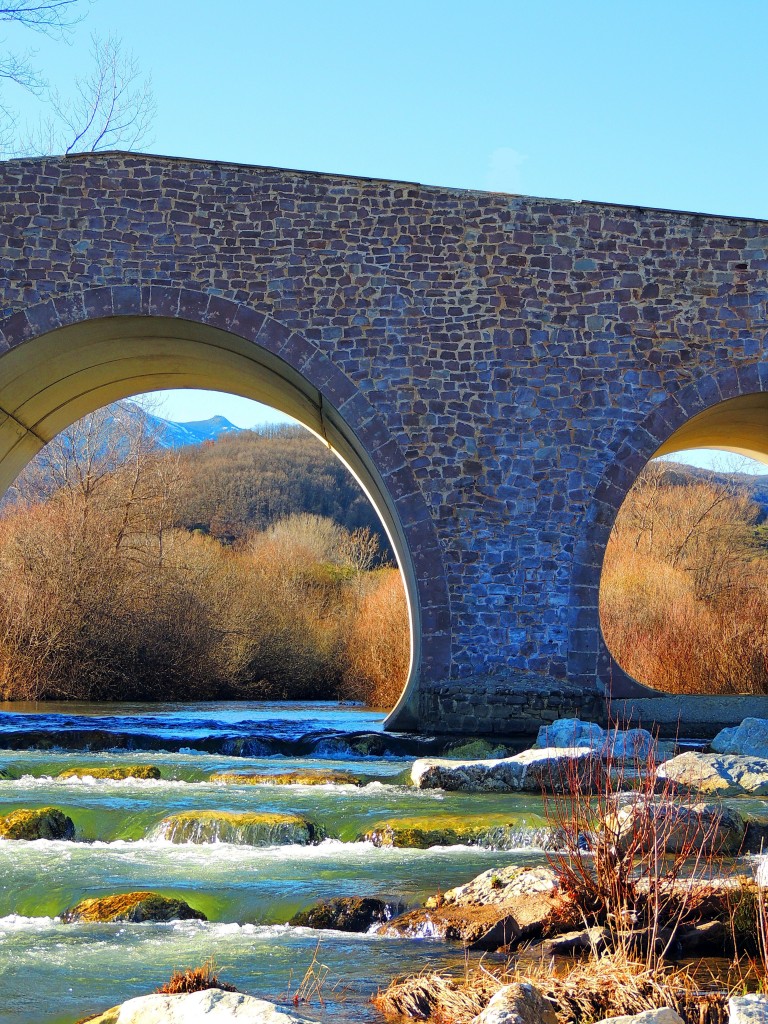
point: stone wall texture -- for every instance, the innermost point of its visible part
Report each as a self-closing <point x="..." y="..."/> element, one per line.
<point x="523" y="357"/>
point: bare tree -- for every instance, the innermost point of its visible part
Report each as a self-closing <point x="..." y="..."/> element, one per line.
<point x="111" y="106"/>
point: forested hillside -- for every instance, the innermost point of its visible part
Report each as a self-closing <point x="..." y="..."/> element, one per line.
<point x="249" y="480"/>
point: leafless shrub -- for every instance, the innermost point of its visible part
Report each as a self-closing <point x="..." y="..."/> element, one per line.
<point x="637" y="856"/>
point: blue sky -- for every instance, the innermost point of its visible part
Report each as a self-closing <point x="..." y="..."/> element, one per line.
<point x="656" y="104"/>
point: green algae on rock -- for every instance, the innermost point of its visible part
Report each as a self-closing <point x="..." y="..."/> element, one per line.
<point x="37" y="823"/>
<point x="491" y="832"/>
<point x="136" y="771"/>
<point x="475" y="750"/>
<point x="249" y="829"/>
<point x="344" y="914"/>
<point x="308" y="777"/>
<point x="132" y="906"/>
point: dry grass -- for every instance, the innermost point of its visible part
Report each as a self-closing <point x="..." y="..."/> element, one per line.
<point x="437" y="997"/>
<point x="195" y="979"/>
<point x="589" y="991"/>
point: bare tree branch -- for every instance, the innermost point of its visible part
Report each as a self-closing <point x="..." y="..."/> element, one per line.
<point x="53" y="18"/>
<point x="110" y="107"/>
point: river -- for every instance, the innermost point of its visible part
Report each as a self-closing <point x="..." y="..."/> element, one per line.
<point x="55" y="973"/>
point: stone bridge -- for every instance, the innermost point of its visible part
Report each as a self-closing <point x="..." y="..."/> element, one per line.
<point x="495" y="369"/>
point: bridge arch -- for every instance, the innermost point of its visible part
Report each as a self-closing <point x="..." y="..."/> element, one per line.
<point x="66" y="357"/>
<point x="725" y="410"/>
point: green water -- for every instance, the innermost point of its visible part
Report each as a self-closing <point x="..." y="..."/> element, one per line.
<point x="54" y="973"/>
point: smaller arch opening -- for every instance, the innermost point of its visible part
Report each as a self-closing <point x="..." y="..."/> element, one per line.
<point x="684" y="582"/>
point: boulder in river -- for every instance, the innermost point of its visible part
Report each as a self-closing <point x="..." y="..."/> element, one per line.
<point x="346" y="914"/>
<point x="717" y="774"/>
<point x="37" y="823"/>
<point x="498" y="909"/>
<point x="306" y="777"/>
<point x="554" y="769"/>
<point x="750" y="737"/>
<point x="708" y="826"/>
<point x="132" y="771"/>
<point x="245" y="746"/>
<point x="248" y="829"/>
<point x="212" y="1006"/>
<point x="491" y="832"/>
<point x="619" y="743"/>
<point x="132" y="906"/>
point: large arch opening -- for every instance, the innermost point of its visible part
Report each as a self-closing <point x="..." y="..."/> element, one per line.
<point x="684" y="580"/>
<point x="53" y="379"/>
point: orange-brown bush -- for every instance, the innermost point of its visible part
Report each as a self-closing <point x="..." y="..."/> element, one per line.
<point x="684" y="590"/>
<point x="378" y="649"/>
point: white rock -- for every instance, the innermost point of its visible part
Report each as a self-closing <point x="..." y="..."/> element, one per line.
<point x="751" y="737"/>
<point x="722" y="774"/>
<point x="553" y="769"/>
<point x="212" y="1006"/>
<point x="664" y="1015"/>
<point x="572" y="732"/>
<point x="518" y="1004"/>
<point x="499" y="884"/>
<point x="750" y="1009"/>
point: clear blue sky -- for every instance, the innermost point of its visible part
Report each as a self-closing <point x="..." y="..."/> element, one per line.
<point x="652" y="103"/>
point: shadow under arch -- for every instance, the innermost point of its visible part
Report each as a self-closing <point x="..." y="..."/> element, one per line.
<point x="726" y="411"/>
<point x="64" y="358"/>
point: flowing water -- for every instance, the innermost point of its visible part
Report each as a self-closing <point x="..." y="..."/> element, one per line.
<point x="248" y="886"/>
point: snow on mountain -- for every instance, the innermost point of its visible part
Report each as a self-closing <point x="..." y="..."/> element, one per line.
<point x="170" y="434"/>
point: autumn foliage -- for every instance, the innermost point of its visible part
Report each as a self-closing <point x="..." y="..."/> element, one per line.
<point x="684" y="589"/>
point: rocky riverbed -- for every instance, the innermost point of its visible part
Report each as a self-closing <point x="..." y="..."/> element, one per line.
<point x="397" y="853"/>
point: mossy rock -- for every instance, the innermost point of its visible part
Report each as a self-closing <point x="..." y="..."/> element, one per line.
<point x="415" y="836"/>
<point x="136" y="771"/>
<point x="344" y="914"/>
<point x="476" y="750"/>
<point x="132" y="906"/>
<point x="254" y="829"/>
<point x="37" y="823"/>
<point x="491" y="832"/>
<point x="309" y="777"/>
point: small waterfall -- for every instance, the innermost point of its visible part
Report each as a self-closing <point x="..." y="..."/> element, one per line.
<point x="516" y="837"/>
<point x="239" y="829"/>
